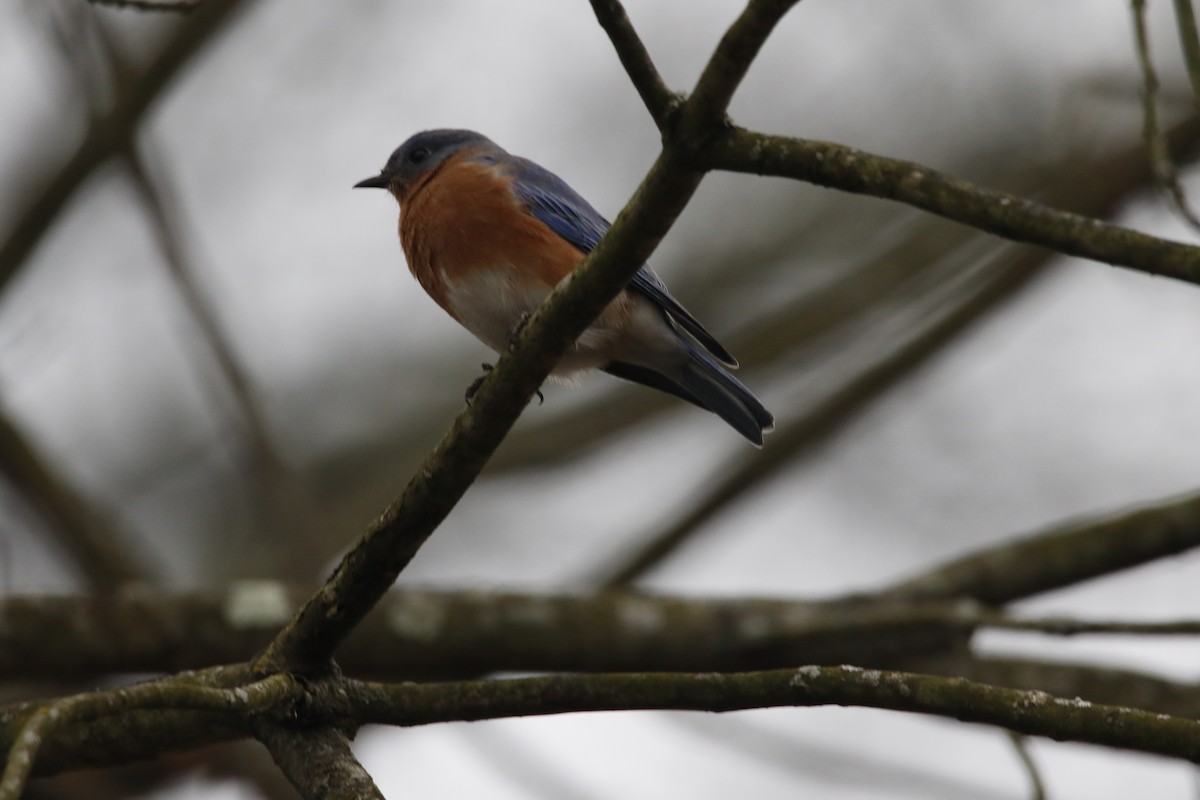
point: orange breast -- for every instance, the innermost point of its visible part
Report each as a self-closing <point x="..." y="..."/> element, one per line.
<point x="464" y="220"/>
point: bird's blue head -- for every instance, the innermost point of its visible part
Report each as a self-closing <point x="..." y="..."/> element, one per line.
<point x="420" y="155"/>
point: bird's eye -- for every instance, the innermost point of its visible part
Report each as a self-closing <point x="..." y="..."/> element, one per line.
<point x="418" y="155"/>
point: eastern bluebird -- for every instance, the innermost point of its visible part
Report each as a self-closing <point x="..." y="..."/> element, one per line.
<point x="488" y="235"/>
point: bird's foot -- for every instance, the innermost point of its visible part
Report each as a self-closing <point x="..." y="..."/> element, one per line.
<point x="475" y="384"/>
<point x="515" y="333"/>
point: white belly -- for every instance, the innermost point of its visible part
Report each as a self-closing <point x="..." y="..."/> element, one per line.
<point x="491" y="303"/>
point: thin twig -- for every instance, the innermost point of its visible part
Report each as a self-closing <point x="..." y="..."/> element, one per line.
<point x="730" y="62"/>
<point x="660" y="101"/>
<point x="172" y="6"/>
<point x="1189" y="41"/>
<point x="153" y="188"/>
<point x="1020" y="745"/>
<point x="110" y="134"/>
<point x="1156" y="144"/>
<point x="102" y="553"/>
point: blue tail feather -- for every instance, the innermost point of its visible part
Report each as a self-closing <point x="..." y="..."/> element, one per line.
<point x="707" y="384"/>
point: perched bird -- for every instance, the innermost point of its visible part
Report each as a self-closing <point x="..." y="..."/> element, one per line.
<point x="488" y="235"/>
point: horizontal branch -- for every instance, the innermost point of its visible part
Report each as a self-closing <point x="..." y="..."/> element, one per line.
<point x="1031" y="713"/>
<point x="1098" y="683"/>
<point x="447" y="633"/>
<point x="452" y="634"/>
<point x="114" y="734"/>
<point x="846" y="168"/>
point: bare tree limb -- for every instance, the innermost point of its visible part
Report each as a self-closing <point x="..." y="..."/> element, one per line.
<point x="1156" y="144"/>
<point x="137" y="722"/>
<point x="1098" y="683"/>
<point x="660" y="101"/>
<point x="318" y="762"/>
<point x="456" y="634"/>
<point x="110" y="134"/>
<point x="173" y="694"/>
<point x="1060" y="556"/>
<point x="1031" y="713"/>
<point x="1010" y="216"/>
<point x="730" y="62"/>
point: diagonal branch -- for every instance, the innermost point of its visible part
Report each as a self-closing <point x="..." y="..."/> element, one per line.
<point x="318" y="762"/>
<point x="1010" y="216"/>
<point x="104" y="554"/>
<point x="660" y="101"/>
<point x="374" y="563"/>
<point x="823" y="421"/>
<point x="111" y="133"/>
<point x="1059" y="557"/>
<point x="175" y="694"/>
<point x="730" y="62"/>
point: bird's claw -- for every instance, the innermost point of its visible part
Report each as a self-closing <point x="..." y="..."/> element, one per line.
<point x="487" y="369"/>
<point x="475" y="384"/>
<point x="515" y="333"/>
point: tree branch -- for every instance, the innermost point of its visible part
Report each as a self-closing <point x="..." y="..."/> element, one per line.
<point x="1031" y="713"/>
<point x="1155" y="142"/>
<point x="111" y="133"/>
<point x="173" y="6"/>
<point x="826" y="419"/>
<point x="147" y="727"/>
<point x="658" y="98"/>
<point x="1189" y="42"/>
<point x="728" y="66"/>
<point x="1061" y="556"/>
<point x="1010" y="216"/>
<point x="26" y="732"/>
<point x="318" y="762"/>
<point x="448" y="634"/>
<point x="103" y="554"/>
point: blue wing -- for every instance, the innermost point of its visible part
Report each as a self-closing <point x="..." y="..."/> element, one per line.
<point x="561" y="209"/>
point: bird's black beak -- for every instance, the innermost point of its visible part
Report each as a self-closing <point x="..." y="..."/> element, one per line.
<point x="379" y="181"/>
